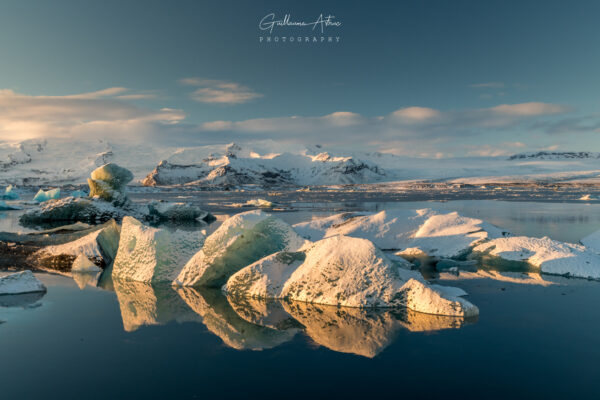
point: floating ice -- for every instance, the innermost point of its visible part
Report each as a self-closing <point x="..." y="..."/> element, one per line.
<point x="165" y="210"/>
<point x="100" y="245"/>
<point x="108" y="183"/>
<point x="149" y="254"/>
<point x="592" y="241"/>
<point x="10" y="194"/>
<point x="6" y="207"/>
<point x="413" y="232"/>
<point x="239" y="241"/>
<point x="20" y="282"/>
<point x="41" y="196"/>
<point x="344" y="271"/>
<point x="78" y="193"/>
<point x="550" y="256"/>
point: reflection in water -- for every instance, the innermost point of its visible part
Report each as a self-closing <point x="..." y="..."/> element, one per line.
<point x="145" y="304"/>
<point x="220" y="318"/>
<point x="25" y="300"/>
<point x="250" y="324"/>
<point x="83" y="279"/>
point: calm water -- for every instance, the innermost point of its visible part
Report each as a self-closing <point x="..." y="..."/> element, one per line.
<point x="533" y="339"/>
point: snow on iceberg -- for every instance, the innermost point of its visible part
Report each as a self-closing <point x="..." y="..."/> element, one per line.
<point x="424" y="231"/>
<point x="149" y="254"/>
<point x="100" y="245"/>
<point x="550" y="256"/>
<point x="345" y="271"/>
<point x="238" y="242"/>
<point x="41" y="196"/>
<point x="20" y="282"/>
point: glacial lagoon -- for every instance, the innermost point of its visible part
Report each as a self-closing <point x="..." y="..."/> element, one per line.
<point x="136" y="340"/>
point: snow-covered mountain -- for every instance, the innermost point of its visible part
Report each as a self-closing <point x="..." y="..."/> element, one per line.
<point x="60" y="161"/>
<point x="555" y="155"/>
<point x="236" y="166"/>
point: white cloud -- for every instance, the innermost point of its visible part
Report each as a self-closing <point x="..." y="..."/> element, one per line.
<point x="487" y="85"/>
<point x="86" y="114"/>
<point x="219" y="92"/>
<point x="529" y="109"/>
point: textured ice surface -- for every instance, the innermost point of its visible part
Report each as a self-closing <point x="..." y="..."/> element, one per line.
<point x="238" y="242"/>
<point x="344" y="271"/>
<point x="41" y="196"/>
<point x="149" y="254"/>
<point x="100" y="245"/>
<point x="550" y="256"/>
<point x="412" y="232"/>
<point x="20" y="282"/>
<point x="169" y="211"/>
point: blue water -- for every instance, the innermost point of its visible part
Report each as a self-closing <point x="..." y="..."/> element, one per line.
<point x="140" y="341"/>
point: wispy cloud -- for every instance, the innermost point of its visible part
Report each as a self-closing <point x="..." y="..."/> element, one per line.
<point x="103" y="113"/>
<point x="219" y="92"/>
<point x="487" y="85"/>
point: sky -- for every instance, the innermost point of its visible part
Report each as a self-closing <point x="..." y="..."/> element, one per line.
<point x="420" y="78"/>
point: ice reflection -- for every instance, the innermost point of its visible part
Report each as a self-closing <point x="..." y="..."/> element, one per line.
<point x="250" y="324"/>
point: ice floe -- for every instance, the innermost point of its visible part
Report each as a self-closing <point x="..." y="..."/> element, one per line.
<point x="412" y="232"/>
<point x="238" y="242"/>
<point x="550" y="256"/>
<point x="345" y="271"/>
<point x="20" y="282"/>
<point x="148" y="254"/>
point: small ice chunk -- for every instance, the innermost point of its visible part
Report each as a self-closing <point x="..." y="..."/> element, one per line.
<point x="20" y="282"/>
<point x="10" y="194"/>
<point x="83" y="264"/>
<point x="41" y="195"/>
<point x="550" y="256"/>
<point x="166" y="210"/>
<point x="78" y="193"/>
<point x="6" y="207"/>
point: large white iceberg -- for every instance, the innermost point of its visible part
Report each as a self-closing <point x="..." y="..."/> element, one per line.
<point x="148" y="254"/>
<point x="345" y="271"/>
<point x="550" y="256"/>
<point x="424" y="231"/>
<point x="20" y="282"/>
<point x="238" y="242"/>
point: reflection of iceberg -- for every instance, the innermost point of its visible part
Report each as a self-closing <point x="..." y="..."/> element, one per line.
<point x="419" y="322"/>
<point x="270" y="313"/>
<point x="145" y="304"/>
<point x="86" y="278"/>
<point x="347" y="330"/>
<point x="223" y="321"/>
<point x="21" y="300"/>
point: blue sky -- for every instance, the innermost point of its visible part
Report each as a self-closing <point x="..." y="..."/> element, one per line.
<point x="424" y="78"/>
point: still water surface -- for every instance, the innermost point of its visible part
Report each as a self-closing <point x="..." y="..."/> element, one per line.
<point x="126" y="340"/>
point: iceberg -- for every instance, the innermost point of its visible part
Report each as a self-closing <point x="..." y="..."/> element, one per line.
<point x="78" y="193"/>
<point x="20" y="282"/>
<point x="592" y="241"/>
<point x="345" y="271"/>
<point x="239" y="241"/>
<point x="547" y="255"/>
<point x="10" y="194"/>
<point x="83" y="264"/>
<point x="108" y="183"/>
<point x="100" y="245"/>
<point x="160" y="210"/>
<point x="41" y="196"/>
<point x="422" y="232"/>
<point x="147" y="254"/>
